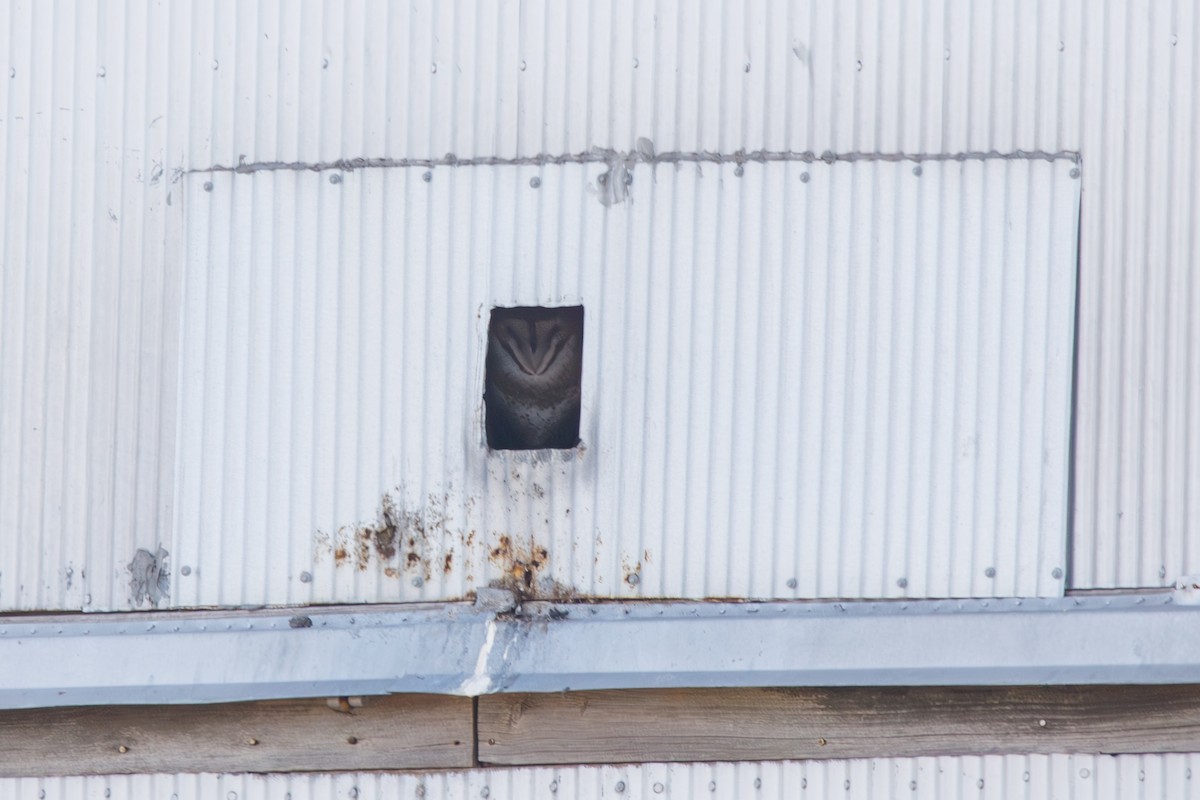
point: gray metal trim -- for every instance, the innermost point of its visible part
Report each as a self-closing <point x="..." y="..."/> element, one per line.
<point x="196" y="657"/>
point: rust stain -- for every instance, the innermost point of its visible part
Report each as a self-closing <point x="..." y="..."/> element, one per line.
<point x="522" y="565"/>
<point x="448" y="563"/>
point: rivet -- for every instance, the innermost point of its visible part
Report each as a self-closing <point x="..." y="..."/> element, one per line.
<point x="747" y="68"/>
<point x="420" y="790"/>
<point x="335" y="178"/>
<point x="351" y="740"/>
<point x="804" y="177"/>
<point x="491" y="741"/>
<point x="12" y="72"/>
<point x="1025" y="777"/>
<point x="418" y="581"/>
<point x="433" y="67"/>
<point x="658" y="788"/>
<point x="633" y="579"/>
<point x="902" y="583"/>
<point x="216" y="64"/>
<point x="101" y="72"/>
<point x="979" y="783"/>
<point x="208" y="186"/>
<point x="947" y="55"/>
<point x="353" y="792"/>
<point x="603" y="179"/>
<point x="620" y="787"/>
<point x="1061" y="46"/>
<point x="912" y="785"/>
<point x="1085" y="772"/>
<point x="522" y="65"/>
<point x="712" y="786"/>
<point x="917" y="170"/>
<point x="427" y="176"/>
<point x="324" y="63"/>
<point x="758" y="783"/>
<point x="1162" y="572"/>
<point x="738" y="171"/>
<point x="231" y="796"/>
<point x="122" y="749"/>
<point x="1074" y="172"/>
<point x="535" y="181"/>
<point x="990" y="572"/>
<point x="628" y="178"/>
<point x="485" y="792"/>
<point x="553" y="784"/>
<point x="1174" y="40"/>
<point x="1056" y="573"/>
<point x="822" y="742"/>
<point x="858" y="66"/>
<point x="1041" y="723"/>
<point x="306" y="577"/>
<point x="804" y="783"/>
<point x="252" y="741"/>
<point x="635" y="63"/>
<point x="185" y="570"/>
<point x="1141" y="775"/>
<point x="846" y="784"/>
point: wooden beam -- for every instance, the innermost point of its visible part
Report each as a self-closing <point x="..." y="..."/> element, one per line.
<point x="767" y="724"/>
<point x="394" y="732"/>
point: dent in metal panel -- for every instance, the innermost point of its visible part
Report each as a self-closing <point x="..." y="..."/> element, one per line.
<point x="1085" y="777"/>
<point x="868" y="357"/>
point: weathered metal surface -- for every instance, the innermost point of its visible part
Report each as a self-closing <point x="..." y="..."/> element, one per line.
<point x="799" y="380"/>
<point x="196" y="657"/>
<point x="1037" y="777"/>
<point x="112" y="117"/>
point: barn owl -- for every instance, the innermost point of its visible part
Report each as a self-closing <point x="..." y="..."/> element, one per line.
<point x="534" y="365"/>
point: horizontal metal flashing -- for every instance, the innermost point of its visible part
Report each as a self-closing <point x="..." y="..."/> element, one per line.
<point x="494" y="646"/>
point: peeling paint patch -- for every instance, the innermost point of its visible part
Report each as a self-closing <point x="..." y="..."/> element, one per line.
<point x="150" y="577"/>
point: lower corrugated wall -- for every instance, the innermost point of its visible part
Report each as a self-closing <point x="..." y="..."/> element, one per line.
<point x="1034" y="777"/>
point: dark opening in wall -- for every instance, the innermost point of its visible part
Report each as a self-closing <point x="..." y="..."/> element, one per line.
<point x="532" y="378"/>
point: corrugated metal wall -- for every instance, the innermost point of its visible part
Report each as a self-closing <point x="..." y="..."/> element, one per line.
<point x="1036" y="777"/>
<point x="855" y="384"/>
<point x="95" y="199"/>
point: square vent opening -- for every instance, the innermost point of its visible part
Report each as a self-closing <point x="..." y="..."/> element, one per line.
<point x="532" y="377"/>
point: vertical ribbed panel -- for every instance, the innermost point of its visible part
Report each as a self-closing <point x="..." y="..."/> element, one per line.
<point x="1035" y="777"/>
<point x="800" y="380"/>
<point x="88" y="295"/>
<point x="103" y="106"/>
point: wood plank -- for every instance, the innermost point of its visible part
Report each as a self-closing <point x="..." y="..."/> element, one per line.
<point x="767" y="724"/>
<point x="394" y="732"/>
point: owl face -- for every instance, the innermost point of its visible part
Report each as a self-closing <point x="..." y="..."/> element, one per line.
<point x="535" y="346"/>
<point x="532" y="377"/>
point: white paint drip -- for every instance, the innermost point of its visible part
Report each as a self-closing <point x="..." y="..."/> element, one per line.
<point x="481" y="681"/>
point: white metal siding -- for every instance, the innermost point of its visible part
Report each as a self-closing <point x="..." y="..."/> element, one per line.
<point x="851" y="384"/>
<point x="1036" y="777"/>
<point x="92" y="253"/>
<point x="89" y="268"/>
